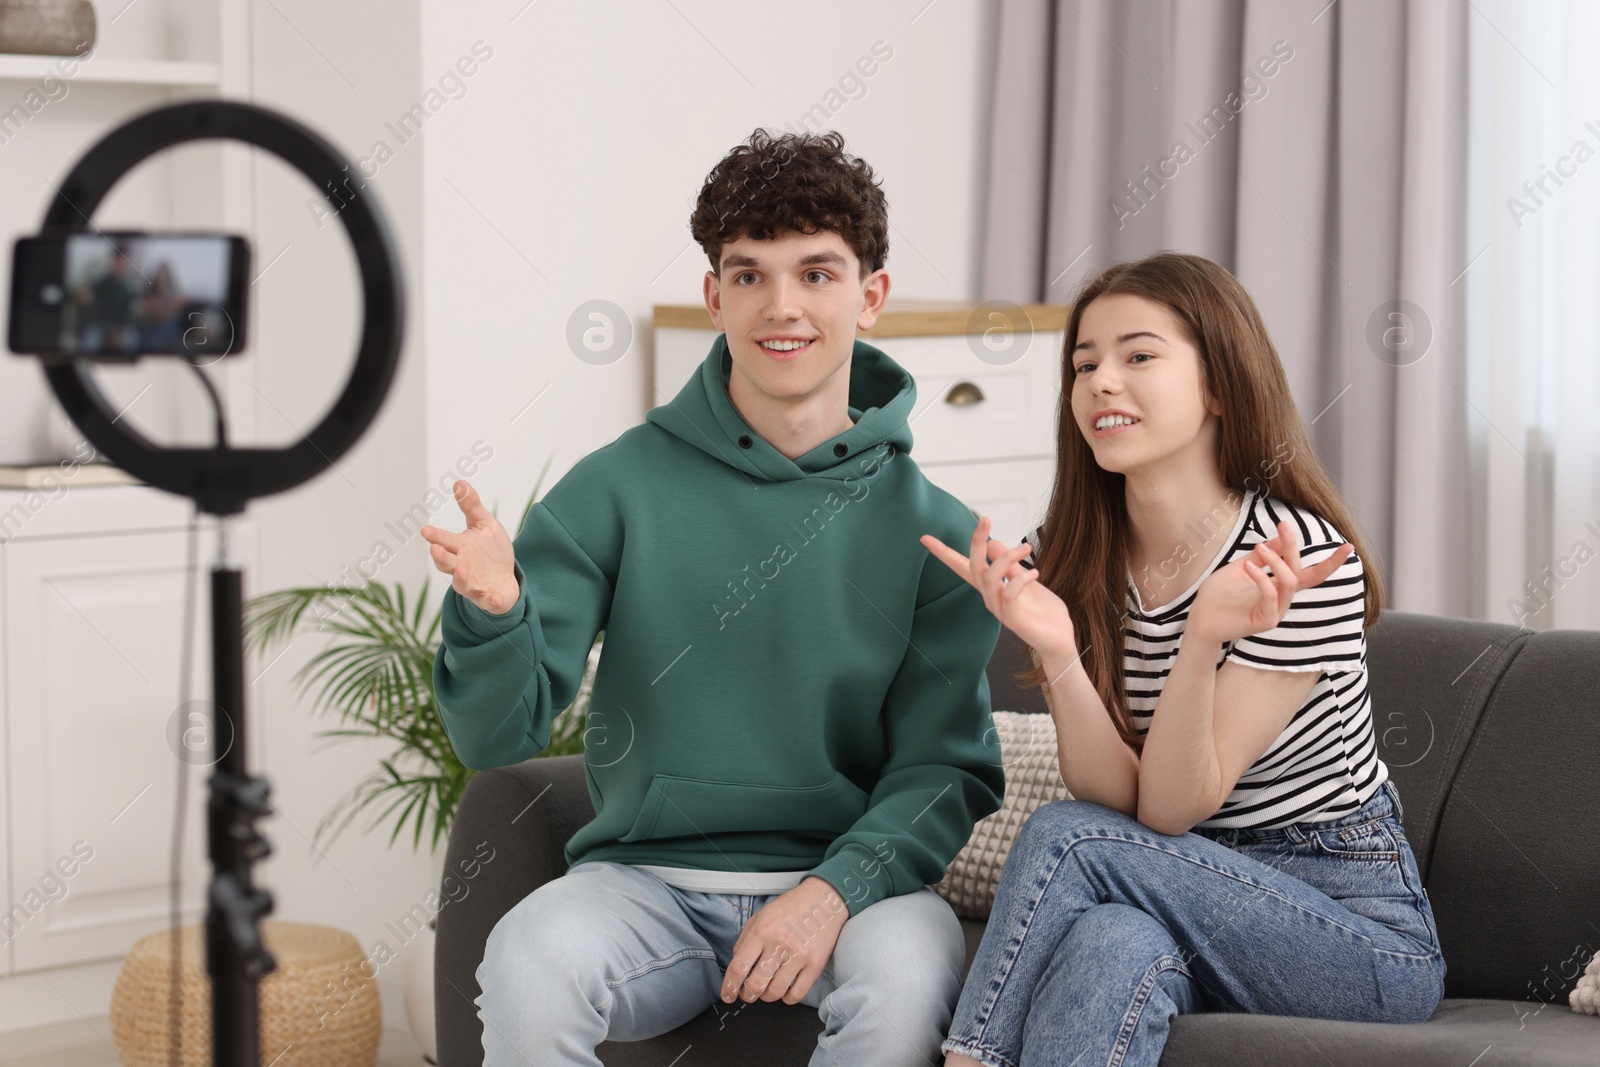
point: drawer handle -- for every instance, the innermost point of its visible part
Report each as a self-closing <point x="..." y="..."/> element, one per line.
<point x="963" y="393"/>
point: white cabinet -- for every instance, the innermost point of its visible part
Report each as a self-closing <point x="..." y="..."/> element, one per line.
<point x="91" y="627"/>
<point x="984" y="425"/>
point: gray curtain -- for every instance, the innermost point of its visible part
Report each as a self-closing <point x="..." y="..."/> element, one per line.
<point x="1316" y="150"/>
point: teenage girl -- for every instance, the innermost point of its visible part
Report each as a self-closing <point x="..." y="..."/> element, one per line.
<point x="1196" y="617"/>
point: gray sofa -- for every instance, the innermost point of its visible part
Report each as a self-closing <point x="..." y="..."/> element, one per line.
<point x="1492" y="733"/>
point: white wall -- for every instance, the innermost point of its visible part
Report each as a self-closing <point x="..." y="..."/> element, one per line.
<point x="345" y="70"/>
<point x="568" y="172"/>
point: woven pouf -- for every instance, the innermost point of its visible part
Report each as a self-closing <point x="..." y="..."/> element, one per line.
<point x="319" y="1007"/>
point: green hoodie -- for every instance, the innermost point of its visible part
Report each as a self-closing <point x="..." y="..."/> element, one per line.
<point x="789" y="679"/>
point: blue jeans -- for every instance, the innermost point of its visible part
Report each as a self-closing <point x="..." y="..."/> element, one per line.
<point x="610" y="951"/>
<point x="1103" y="930"/>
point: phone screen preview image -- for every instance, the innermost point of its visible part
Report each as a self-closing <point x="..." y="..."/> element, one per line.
<point x="121" y="295"/>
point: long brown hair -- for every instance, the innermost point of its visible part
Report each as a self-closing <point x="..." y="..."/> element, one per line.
<point x="1082" y="554"/>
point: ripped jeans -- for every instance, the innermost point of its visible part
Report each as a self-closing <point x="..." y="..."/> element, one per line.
<point x="1103" y="930"/>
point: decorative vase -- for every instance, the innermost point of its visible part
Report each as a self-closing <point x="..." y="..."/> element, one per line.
<point x="47" y="27"/>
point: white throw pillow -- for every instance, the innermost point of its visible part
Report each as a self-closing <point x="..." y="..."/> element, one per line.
<point x="1027" y="750"/>
<point x="1585" y="996"/>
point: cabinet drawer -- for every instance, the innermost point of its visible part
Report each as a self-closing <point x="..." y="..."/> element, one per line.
<point x="1013" y="493"/>
<point x="1015" y="417"/>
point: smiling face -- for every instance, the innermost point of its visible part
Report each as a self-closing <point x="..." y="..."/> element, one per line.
<point x="791" y="307"/>
<point x="1138" y="395"/>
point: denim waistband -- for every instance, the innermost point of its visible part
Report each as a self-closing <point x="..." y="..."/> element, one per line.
<point x="1384" y="802"/>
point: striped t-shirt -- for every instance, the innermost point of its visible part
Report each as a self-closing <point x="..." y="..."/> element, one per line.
<point x="1325" y="762"/>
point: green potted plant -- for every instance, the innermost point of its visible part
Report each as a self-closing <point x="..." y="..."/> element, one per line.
<point x="377" y="674"/>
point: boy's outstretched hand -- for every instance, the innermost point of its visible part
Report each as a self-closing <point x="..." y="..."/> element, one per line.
<point x="479" y="560"/>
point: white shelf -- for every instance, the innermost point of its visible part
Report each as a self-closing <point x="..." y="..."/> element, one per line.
<point x="115" y="71"/>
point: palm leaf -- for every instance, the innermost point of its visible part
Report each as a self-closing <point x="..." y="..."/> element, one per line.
<point x="375" y="671"/>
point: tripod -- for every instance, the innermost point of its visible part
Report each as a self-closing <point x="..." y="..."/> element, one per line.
<point x="221" y="480"/>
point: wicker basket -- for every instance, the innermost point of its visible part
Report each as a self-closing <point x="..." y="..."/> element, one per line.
<point x="319" y="1007"/>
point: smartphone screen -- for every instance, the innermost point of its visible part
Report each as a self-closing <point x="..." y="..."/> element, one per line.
<point x="118" y="296"/>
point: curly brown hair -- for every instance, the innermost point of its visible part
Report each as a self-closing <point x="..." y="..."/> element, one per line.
<point x="795" y="182"/>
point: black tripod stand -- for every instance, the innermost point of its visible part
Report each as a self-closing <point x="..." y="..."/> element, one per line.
<point x="221" y="480"/>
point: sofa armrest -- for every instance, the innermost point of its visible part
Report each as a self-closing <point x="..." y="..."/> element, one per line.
<point x="525" y="813"/>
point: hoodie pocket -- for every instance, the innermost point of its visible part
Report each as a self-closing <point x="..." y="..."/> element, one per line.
<point x="676" y="807"/>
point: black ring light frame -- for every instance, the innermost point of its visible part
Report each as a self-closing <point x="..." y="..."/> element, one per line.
<point x="221" y="480"/>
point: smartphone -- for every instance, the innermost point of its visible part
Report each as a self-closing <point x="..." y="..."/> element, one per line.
<point x="119" y="296"/>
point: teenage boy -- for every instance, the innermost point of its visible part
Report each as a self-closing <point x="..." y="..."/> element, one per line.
<point x="786" y="736"/>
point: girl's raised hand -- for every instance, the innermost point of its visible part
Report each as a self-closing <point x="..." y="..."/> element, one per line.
<point x="1241" y="598"/>
<point x="1011" y="592"/>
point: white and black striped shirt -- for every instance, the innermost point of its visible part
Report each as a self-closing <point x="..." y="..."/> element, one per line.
<point x="1325" y="762"/>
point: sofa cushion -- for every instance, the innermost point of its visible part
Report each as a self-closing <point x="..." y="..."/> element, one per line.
<point x="1025" y="745"/>
<point x="1585" y="997"/>
<point x="1515" y="882"/>
<point x="1430" y="679"/>
<point x="1010" y="658"/>
<point x="1458" y="1035"/>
